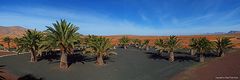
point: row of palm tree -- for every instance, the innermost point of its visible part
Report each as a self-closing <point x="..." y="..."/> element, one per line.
<point x="63" y="35"/>
<point x="125" y="41"/>
<point x="197" y="45"/>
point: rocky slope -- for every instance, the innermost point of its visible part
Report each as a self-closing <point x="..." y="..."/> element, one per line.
<point x="12" y="31"/>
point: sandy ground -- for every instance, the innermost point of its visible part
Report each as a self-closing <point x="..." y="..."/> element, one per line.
<point x="131" y="64"/>
<point x="222" y="68"/>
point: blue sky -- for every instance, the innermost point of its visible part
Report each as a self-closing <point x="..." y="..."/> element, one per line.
<point x="134" y="17"/>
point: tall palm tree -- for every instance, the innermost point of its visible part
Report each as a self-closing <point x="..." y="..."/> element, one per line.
<point x="203" y="45"/>
<point x="172" y="43"/>
<point x="63" y="35"/>
<point x="192" y="45"/>
<point x="8" y="41"/>
<point x="101" y="47"/>
<point x="222" y="44"/>
<point x="145" y="44"/>
<point x="31" y="41"/>
<point x="160" y="45"/>
<point x="124" y="41"/>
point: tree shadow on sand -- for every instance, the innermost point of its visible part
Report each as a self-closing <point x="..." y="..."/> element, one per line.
<point x="179" y="57"/>
<point x="75" y="58"/>
<point x="50" y="56"/>
<point x="1" y="71"/>
<point x="29" y="77"/>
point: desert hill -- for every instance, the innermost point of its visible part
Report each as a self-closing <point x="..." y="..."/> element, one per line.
<point x="12" y="31"/>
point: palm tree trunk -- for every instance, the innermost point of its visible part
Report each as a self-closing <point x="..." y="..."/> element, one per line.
<point x="8" y="46"/>
<point x="222" y="53"/>
<point x="192" y="52"/>
<point x="147" y="48"/>
<point x="201" y="57"/>
<point x="100" y="60"/>
<point x="125" y="47"/>
<point x="63" y="60"/>
<point x="160" y="52"/>
<point x="171" y="56"/>
<point x="33" y="56"/>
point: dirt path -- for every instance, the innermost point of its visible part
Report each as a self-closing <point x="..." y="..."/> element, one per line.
<point x="225" y="68"/>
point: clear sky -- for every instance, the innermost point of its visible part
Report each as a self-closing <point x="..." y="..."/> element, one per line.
<point x="134" y="17"/>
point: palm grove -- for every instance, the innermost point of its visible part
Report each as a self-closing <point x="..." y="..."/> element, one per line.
<point x="63" y="36"/>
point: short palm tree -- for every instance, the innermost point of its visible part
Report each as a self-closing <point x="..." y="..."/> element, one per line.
<point x="31" y="41"/>
<point x="124" y="41"/>
<point x="203" y="45"/>
<point x="136" y="42"/>
<point x="222" y="44"/>
<point x="146" y="44"/>
<point x="8" y="41"/>
<point x="63" y="35"/>
<point x="160" y="45"/>
<point x="192" y="45"/>
<point x="101" y="47"/>
<point x="172" y="43"/>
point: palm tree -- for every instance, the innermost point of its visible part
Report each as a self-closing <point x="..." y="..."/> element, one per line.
<point x="202" y="46"/>
<point x="160" y="45"/>
<point x="222" y="44"/>
<point x="8" y="41"/>
<point x="193" y="44"/>
<point x="145" y="44"/>
<point x="136" y="42"/>
<point x="31" y="41"/>
<point x="63" y="35"/>
<point x="101" y="47"/>
<point x="172" y="43"/>
<point x="124" y="42"/>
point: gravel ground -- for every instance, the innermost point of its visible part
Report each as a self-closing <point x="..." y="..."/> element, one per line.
<point x="130" y="64"/>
